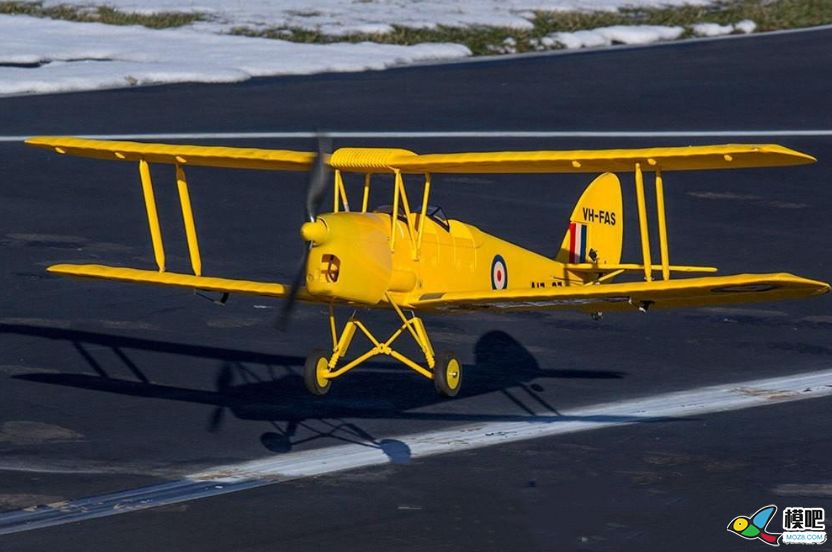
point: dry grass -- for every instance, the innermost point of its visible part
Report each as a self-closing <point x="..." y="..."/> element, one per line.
<point x="105" y="15"/>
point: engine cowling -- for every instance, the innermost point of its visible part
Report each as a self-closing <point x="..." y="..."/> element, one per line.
<point x="350" y="258"/>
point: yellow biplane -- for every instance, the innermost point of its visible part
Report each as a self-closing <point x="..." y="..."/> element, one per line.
<point x="411" y="259"/>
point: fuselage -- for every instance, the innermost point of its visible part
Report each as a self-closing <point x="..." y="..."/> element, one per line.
<point x="352" y="260"/>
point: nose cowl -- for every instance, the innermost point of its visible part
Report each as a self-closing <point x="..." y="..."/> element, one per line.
<point x="315" y="232"/>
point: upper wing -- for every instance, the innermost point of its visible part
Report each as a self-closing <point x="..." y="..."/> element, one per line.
<point x="662" y="294"/>
<point x="208" y="156"/>
<point x="376" y="160"/>
<point x="732" y="156"/>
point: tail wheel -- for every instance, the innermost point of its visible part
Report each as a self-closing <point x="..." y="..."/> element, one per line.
<point x="447" y="375"/>
<point x="314" y="372"/>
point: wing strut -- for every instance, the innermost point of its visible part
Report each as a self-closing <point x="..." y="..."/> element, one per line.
<point x="188" y="218"/>
<point x="153" y="217"/>
<point x="340" y="193"/>
<point x="152" y="214"/>
<point x="643" y="226"/>
<point x="662" y="225"/>
<point x="366" y="199"/>
<point x="425" y="199"/>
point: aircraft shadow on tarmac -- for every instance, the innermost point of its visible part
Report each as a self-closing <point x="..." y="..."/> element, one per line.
<point x="268" y="387"/>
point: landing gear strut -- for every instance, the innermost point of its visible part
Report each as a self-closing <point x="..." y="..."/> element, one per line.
<point x="322" y="367"/>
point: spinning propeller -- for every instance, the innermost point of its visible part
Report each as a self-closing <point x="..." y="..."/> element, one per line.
<point x="315" y="191"/>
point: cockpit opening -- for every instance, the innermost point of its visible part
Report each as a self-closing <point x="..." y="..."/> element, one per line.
<point x="434" y="213"/>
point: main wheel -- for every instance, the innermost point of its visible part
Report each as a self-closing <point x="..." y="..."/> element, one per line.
<point x="314" y="372"/>
<point x="447" y="375"/>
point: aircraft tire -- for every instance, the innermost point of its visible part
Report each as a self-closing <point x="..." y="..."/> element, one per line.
<point x="447" y="375"/>
<point x="316" y="364"/>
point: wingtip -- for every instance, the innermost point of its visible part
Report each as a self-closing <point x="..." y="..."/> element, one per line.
<point x="64" y="269"/>
<point x="802" y="158"/>
<point x="46" y="141"/>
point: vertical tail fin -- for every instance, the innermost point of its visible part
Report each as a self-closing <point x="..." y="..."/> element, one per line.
<point x="596" y="227"/>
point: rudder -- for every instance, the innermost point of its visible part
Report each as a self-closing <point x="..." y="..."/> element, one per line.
<point x="596" y="227"/>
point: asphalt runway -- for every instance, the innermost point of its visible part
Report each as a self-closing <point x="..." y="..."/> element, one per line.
<point x="108" y="388"/>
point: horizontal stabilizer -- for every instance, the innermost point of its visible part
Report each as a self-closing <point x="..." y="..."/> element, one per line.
<point x="206" y="283"/>
<point x="205" y="156"/>
<point x="663" y="294"/>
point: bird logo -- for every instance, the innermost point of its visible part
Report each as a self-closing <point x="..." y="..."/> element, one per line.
<point x="754" y="527"/>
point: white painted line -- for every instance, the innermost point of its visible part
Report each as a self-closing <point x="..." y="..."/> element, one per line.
<point x="247" y="475"/>
<point x="452" y="134"/>
<point x="674" y="405"/>
<point x="813" y="490"/>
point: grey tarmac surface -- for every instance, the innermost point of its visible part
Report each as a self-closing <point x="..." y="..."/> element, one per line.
<point x="108" y="387"/>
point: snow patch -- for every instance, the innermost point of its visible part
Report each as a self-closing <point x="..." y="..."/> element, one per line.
<point x="746" y="26"/>
<point x="43" y="55"/>
<point x="619" y="34"/>
<point x="711" y="29"/>
<point x="84" y="56"/>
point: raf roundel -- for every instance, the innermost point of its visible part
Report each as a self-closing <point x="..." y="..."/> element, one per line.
<point x="499" y="273"/>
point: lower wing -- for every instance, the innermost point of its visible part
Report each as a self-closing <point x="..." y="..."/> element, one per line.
<point x="660" y="294"/>
<point x="206" y="283"/>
